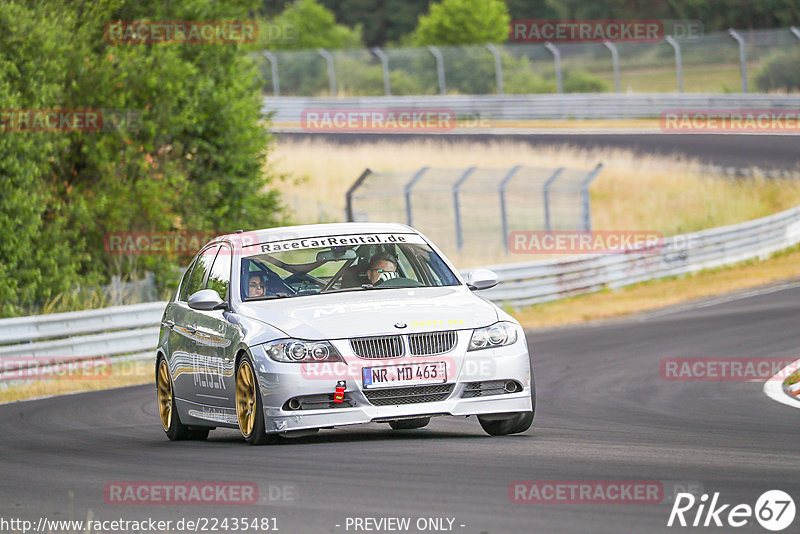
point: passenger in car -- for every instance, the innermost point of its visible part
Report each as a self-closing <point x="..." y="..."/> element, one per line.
<point x="255" y="286"/>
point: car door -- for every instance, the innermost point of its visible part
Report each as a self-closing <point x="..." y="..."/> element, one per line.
<point x="214" y="380"/>
<point x="180" y="341"/>
<point x="184" y="354"/>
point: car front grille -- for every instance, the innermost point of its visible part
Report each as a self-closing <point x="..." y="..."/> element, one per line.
<point x="377" y="347"/>
<point x="409" y="395"/>
<point x="432" y="343"/>
<point x="425" y="344"/>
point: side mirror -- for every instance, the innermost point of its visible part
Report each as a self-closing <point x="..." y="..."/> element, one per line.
<point x="481" y="279"/>
<point x="207" y="300"/>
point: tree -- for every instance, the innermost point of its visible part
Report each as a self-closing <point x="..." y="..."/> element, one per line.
<point x="382" y="21"/>
<point x="193" y="160"/>
<point x="463" y="22"/>
<point x="313" y="26"/>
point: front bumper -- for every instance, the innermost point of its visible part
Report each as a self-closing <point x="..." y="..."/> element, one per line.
<point x="280" y="382"/>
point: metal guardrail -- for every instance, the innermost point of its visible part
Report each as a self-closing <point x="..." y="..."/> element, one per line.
<point x="108" y="331"/>
<point x="523" y="284"/>
<point x="483" y="109"/>
<point x="61" y="325"/>
<point x="122" y="332"/>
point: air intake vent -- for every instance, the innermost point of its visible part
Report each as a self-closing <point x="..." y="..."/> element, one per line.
<point x="408" y="395"/>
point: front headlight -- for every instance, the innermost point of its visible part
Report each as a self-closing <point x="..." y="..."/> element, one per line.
<point x="497" y="335"/>
<point x="300" y="351"/>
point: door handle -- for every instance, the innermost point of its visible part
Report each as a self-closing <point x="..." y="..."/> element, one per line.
<point x="169" y="324"/>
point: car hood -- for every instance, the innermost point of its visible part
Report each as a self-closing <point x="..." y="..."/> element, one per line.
<point x="374" y="312"/>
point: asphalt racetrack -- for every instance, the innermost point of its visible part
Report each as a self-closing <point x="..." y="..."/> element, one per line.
<point x="603" y="413"/>
<point x="776" y="152"/>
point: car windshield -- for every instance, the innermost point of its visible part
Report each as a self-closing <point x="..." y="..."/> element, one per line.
<point x="309" y="266"/>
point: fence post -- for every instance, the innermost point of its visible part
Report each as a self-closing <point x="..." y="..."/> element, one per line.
<point x="439" y="67"/>
<point x="546" y="195"/>
<point x="503" y="214"/>
<point x="331" y="70"/>
<point x="387" y="88"/>
<point x="498" y="67"/>
<point x="456" y="211"/>
<point x="678" y="61"/>
<point x="742" y="57"/>
<point x="349" y="195"/>
<point x="407" y="189"/>
<point x="557" y="62"/>
<point x="585" y="208"/>
<point x="614" y="63"/>
<point x="273" y="64"/>
<point x="795" y="31"/>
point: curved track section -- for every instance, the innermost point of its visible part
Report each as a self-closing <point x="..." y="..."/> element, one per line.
<point x="603" y="413"/>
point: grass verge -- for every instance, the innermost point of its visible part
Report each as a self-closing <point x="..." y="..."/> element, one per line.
<point x="122" y="374"/>
<point x="633" y="192"/>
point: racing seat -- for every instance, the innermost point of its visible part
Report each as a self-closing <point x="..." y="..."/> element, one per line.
<point x="354" y="276"/>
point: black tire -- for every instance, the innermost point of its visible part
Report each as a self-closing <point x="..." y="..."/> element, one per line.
<point x="255" y="433"/>
<point x="172" y="425"/>
<point x="513" y="424"/>
<point x="410" y="424"/>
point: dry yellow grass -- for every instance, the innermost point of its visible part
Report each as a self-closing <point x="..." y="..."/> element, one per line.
<point x="122" y="374"/>
<point x="653" y="193"/>
<point x="658" y="294"/>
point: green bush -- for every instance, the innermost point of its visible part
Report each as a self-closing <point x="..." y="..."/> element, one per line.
<point x="780" y="72"/>
<point x="579" y="81"/>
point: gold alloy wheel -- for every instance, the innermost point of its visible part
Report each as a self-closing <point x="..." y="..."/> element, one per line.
<point x="164" y="386"/>
<point x="245" y="398"/>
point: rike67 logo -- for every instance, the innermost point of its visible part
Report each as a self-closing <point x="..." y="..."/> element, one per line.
<point x="774" y="510"/>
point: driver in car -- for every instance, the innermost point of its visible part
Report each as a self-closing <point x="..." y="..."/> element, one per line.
<point x="381" y="268"/>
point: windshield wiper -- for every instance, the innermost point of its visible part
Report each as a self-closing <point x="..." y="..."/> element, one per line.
<point x="362" y="287"/>
<point x="365" y="287"/>
<point x="270" y="297"/>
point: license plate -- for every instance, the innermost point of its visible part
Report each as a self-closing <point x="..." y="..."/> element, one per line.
<point x="404" y="375"/>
